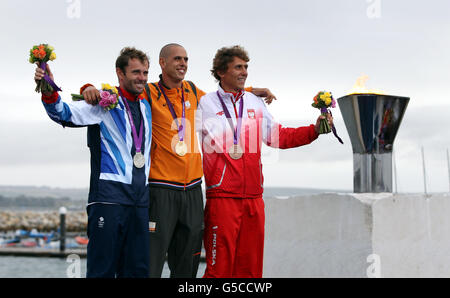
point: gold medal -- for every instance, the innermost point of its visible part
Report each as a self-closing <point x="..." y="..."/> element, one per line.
<point x="236" y="152"/>
<point x="139" y="160"/>
<point x="181" y="148"/>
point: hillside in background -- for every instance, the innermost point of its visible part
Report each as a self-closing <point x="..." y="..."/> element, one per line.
<point x="44" y="191"/>
<point x="47" y="198"/>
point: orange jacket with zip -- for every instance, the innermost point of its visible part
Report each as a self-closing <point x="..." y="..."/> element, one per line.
<point x="167" y="168"/>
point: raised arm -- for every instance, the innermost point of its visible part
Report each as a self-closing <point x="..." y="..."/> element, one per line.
<point x="72" y="114"/>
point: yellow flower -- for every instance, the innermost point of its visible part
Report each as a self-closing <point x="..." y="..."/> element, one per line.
<point x="328" y="101"/>
<point x="110" y="88"/>
<point x="327" y="94"/>
<point x="106" y="87"/>
<point x="52" y="56"/>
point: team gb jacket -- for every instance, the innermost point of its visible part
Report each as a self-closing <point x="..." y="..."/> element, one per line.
<point x="114" y="179"/>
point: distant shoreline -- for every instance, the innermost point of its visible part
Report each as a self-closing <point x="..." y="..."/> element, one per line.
<point x="32" y="207"/>
<point x="43" y="221"/>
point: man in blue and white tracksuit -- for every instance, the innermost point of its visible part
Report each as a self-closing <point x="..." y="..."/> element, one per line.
<point x="118" y="195"/>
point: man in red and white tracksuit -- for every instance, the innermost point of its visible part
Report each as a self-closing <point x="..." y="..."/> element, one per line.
<point x="233" y="124"/>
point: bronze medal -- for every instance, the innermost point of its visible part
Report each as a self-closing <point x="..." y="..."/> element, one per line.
<point x="236" y="152"/>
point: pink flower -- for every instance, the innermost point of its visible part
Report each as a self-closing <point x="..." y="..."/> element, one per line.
<point x="107" y="100"/>
<point x="104" y="98"/>
<point x="104" y="94"/>
<point x="333" y="103"/>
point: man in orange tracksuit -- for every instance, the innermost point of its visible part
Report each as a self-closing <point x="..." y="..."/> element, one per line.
<point x="176" y="200"/>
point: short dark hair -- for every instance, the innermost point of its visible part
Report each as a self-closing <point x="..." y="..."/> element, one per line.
<point x="165" y="50"/>
<point x="128" y="53"/>
<point x="226" y="55"/>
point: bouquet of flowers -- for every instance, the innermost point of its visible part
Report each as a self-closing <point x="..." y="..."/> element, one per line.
<point x="42" y="54"/>
<point x="109" y="97"/>
<point x="323" y="100"/>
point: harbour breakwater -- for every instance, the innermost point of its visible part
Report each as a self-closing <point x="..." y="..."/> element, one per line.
<point x="45" y="221"/>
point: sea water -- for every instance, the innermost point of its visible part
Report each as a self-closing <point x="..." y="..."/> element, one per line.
<point x="31" y="267"/>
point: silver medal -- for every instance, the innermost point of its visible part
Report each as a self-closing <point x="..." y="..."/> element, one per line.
<point x="138" y="160"/>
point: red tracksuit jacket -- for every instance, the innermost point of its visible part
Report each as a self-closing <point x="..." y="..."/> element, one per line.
<point x="241" y="178"/>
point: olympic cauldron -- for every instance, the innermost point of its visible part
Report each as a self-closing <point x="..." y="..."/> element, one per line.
<point x="372" y="122"/>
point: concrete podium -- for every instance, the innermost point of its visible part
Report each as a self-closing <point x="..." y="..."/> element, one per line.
<point x="358" y="235"/>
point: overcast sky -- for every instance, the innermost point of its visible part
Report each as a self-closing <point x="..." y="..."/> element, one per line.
<point x="296" y="49"/>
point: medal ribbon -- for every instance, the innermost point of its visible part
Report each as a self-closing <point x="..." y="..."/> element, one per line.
<point x="333" y="128"/>
<point x="136" y="139"/>
<point x="237" y="131"/>
<point x="43" y="65"/>
<point x="181" y="130"/>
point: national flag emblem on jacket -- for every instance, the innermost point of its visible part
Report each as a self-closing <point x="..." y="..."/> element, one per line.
<point x="152" y="226"/>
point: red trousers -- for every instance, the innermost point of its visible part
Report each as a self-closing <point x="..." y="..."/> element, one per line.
<point x="234" y="237"/>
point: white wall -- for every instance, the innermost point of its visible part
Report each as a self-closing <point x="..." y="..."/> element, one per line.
<point x="332" y="235"/>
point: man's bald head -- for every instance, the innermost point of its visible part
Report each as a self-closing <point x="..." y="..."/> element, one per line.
<point x="173" y="60"/>
<point x="165" y="51"/>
